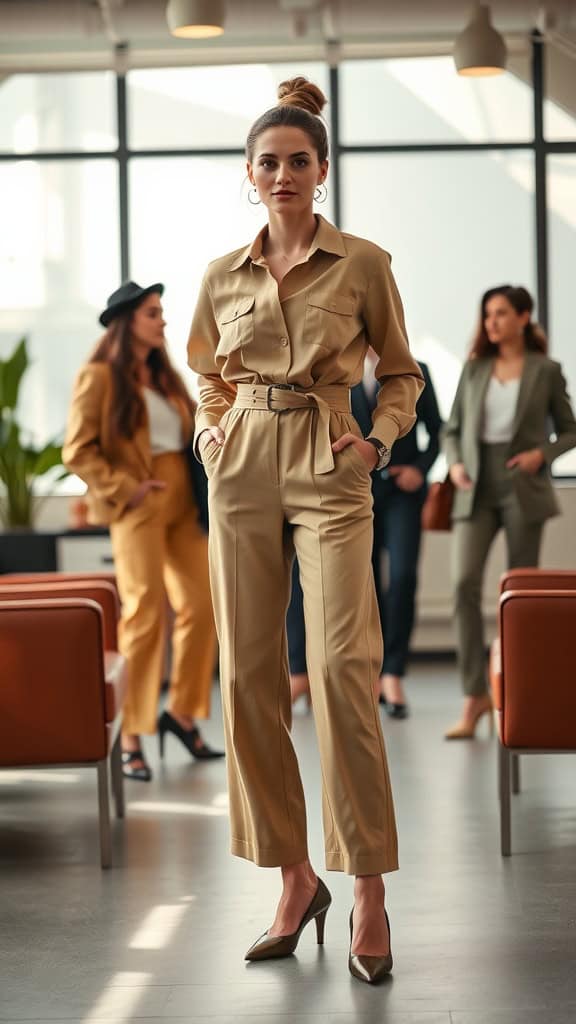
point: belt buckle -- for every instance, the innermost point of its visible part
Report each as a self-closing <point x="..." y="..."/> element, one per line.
<point x="278" y="387"/>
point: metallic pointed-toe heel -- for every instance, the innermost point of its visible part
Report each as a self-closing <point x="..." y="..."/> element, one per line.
<point x="276" y="946"/>
<point x="370" y="969"/>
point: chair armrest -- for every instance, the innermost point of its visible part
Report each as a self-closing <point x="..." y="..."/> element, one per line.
<point x="538" y="579"/>
<point x="103" y="592"/>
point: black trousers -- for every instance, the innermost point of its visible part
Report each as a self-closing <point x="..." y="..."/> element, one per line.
<point x="397" y="532"/>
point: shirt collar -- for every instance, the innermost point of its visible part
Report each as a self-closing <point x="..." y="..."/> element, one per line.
<point x="327" y="238"/>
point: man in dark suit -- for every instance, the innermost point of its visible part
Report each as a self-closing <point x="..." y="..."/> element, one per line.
<point x="399" y="492"/>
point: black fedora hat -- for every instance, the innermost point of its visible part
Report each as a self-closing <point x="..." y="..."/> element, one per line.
<point x="128" y="296"/>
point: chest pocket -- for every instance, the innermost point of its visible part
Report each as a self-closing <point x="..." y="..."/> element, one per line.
<point x="236" y="323"/>
<point x="330" y="321"/>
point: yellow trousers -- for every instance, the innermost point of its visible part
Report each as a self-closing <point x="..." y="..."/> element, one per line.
<point x="160" y="549"/>
<point x="268" y="498"/>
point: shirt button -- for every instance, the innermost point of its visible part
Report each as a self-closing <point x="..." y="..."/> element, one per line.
<point x="283" y="341"/>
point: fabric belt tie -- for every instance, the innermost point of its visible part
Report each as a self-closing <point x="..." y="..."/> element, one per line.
<point x="278" y="398"/>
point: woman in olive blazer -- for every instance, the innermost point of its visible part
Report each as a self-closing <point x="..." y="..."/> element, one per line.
<point x="510" y="419"/>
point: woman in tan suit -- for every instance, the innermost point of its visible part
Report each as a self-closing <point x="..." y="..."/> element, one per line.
<point x="279" y="337"/>
<point x="510" y="419"/>
<point x="131" y="418"/>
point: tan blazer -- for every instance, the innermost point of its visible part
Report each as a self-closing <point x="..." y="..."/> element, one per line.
<point x="543" y="406"/>
<point x="112" y="470"/>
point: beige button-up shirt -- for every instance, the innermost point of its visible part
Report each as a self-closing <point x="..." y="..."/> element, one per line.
<point x="313" y="329"/>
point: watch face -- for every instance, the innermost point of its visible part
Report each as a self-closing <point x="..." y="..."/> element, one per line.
<point x="384" y="457"/>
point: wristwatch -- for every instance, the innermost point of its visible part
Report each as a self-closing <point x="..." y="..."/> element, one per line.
<point x="384" y="453"/>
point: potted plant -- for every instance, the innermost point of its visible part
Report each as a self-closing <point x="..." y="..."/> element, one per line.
<point x="21" y="462"/>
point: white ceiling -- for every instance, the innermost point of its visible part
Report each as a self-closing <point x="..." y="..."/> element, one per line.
<point x="36" y="34"/>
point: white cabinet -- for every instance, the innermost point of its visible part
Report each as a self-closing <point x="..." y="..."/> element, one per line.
<point x="84" y="554"/>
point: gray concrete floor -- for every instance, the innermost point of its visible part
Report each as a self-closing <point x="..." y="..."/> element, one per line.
<point x="476" y="939"/>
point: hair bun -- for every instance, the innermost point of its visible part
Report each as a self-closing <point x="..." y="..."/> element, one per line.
<point x="299" y="92"/>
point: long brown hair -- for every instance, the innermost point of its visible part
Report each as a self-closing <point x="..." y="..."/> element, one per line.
<point x="521" y="300"/>
<point x="115" y="348"/>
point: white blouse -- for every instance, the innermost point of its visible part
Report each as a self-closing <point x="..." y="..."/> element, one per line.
<point x="165" y="423"/>
<point x="499" y="410"/>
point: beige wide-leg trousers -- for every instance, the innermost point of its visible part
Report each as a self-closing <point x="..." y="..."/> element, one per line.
<point x="160" y="549"/>
<point x="265" y="500"/>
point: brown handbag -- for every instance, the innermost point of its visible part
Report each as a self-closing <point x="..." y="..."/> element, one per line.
<point x="437" y="508"/>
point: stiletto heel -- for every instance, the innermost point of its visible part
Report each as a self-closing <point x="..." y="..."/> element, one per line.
<point x="129" y="771"/>
<point x="274" y="947"/>
<point x="320" y="922"/>
<point x="191" y="738"/>
<point x="370" y="969"/>
<point x="467" y="731"/>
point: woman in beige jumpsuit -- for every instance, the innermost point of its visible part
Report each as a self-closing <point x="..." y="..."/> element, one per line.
<point x="278" y="338"/>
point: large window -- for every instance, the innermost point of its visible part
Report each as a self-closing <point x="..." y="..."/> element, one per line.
<point x="422" y="100"/>
<point x="455" y="224"/>
<point x="58" y="112"/>
<point x="59" y="259"/>
<point x="438" y="169"/>
<point x="562" y="226"/>
<point x="205" y="107"/>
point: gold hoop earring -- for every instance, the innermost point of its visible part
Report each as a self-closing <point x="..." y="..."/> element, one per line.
<point x="254" y="202"/>
<point x="319" y="195"/>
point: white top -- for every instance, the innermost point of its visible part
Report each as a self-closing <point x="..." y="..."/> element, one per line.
<point x="165" y="423"/>
<point x="499" y="410"/>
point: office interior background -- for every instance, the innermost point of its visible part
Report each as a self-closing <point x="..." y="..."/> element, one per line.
<point x="121" y="155"/>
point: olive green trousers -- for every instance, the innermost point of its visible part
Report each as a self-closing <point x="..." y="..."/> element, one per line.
<point x="495" y="507"/>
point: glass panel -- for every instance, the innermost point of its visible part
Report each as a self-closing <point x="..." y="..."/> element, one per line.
<point x="58" y="112"/>
<point x="455" y="225"/>
<point x="560" y="102"/>
<point x="183" y="108"/>
<point x="423" y="99"/>
<point x="58" y="262"/>
<point x="562" y="239"/>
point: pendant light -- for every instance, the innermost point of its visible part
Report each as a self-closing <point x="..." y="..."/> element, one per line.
<point x="195" y="19"/>
<point x="480" y="49"/>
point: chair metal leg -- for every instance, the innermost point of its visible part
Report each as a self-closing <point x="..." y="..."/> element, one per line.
<point x="117" y="776"/>
<point x="515" y="773"/>
<point x="504" y="757"/>
<point x="104" y="814"/>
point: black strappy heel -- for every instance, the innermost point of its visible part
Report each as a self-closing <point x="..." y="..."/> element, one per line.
<point x="142" y="773"/>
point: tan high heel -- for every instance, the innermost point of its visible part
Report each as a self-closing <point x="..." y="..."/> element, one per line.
<point x="370" y="969"/>
<point x="274" y="947"/>
<point x="467" y="730"/>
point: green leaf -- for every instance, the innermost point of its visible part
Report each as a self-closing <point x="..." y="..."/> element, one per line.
<point x="47" y="458"/>
<point x="20" y="463"/>
<point x="11" y="372"/>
